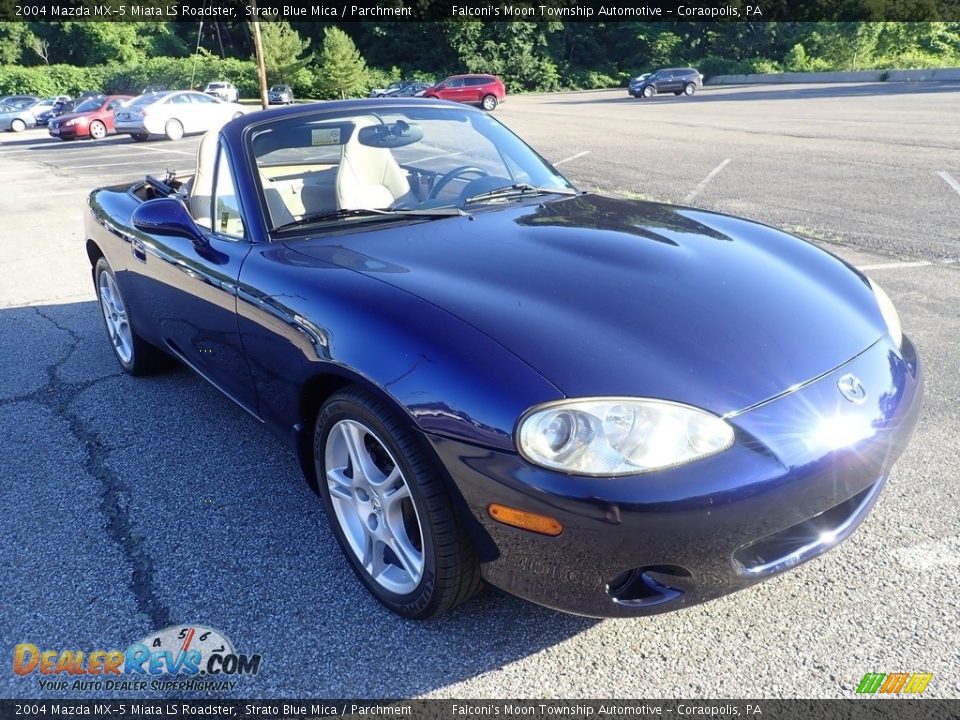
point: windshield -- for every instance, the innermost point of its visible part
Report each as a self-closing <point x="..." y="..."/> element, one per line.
<point x="88" y="105"/>
<point x="216" y="86"/>
<point x="147" y="99"/>
<point x="397" y="159"/>
<point x="278" y="88"/>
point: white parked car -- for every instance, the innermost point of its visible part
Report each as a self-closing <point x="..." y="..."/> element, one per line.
<point x="222" y="90"/>
<point x="174" y="114"/>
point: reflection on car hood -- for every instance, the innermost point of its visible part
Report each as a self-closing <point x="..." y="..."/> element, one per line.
<point x="70" y="116"/>
<point x="614" y="297"/>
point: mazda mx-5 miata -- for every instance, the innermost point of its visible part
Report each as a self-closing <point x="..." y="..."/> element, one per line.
<point x="605" y="406"/>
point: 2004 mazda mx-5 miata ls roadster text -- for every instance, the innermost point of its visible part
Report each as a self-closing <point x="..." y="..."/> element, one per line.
<point x="605" y="406"/>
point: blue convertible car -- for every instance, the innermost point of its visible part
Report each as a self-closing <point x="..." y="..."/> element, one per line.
<point x="605" y="406"/>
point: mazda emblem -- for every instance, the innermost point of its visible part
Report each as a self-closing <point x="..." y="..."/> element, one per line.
<point x="851" y="388"/>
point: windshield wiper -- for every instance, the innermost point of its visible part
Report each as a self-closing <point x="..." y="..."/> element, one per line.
<point x="519" y="189"/>
<point x="369" y="212"/>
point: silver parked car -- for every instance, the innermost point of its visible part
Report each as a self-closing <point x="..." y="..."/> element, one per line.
<point x="174" y="114"/>
<point x="17" y="119"/>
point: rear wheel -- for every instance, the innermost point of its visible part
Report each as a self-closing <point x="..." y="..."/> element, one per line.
<point x="18" y="125"/>
<point x="489" y="102"/>
<point x="135" y="355"/>
<point x="648" y="91"/>
<point x="689" y="89"/>
<point x="389" y="508"/>
<point x="98" y="131"/>
<point x="173" y="130"/>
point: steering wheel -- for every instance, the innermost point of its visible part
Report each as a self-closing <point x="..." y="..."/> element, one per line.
<point x="452" y="175"/>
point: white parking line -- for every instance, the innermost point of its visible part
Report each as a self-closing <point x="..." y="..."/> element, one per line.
<point x="894" y="265"/>
<point x="703" y="183"/>
<point x="930" y="555"/>
<point x="948" y="178"/>
<point x="572" y="157"/>
<point x="164" y="150"/>
<point x="102" y="165"/>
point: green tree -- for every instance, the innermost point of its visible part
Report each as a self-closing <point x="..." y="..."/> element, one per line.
<point x="284" y="51"/>
<point x="14" y="38"/>
<point x="342" y="70"/>
<point x="517" y="51"/>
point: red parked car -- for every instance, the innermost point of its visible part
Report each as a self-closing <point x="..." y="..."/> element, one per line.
<point x="487" y="91"/>
<point x="93" y="118"/>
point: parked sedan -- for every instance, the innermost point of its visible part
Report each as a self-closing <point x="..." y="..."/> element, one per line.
<point x="16" y="118"/>
<point x="59" y="108"/>
<point x="414" y="89"/>
<point x="487" y="91"/>
<point x="280" y="95"/>
<point x="389" y="89"/>
<point x="93" y="118"/>
<point x="607" y="406"/>
<point x="173" y="114"/>
<point x="18" y="101"/>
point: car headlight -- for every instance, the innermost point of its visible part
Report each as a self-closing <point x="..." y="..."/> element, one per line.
<point x="619" y="436"/>
<point x="71" y="123"/>
<point x="889" y="312"/>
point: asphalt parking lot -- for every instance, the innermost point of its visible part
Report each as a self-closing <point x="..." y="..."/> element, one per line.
<point x="128" y="505"/>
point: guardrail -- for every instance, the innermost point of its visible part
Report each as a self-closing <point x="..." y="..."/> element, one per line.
<point x="921" y="75"/>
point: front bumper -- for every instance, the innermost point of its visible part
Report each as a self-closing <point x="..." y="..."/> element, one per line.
<point x="69" y="133"/>
<point x="784" y="493"/>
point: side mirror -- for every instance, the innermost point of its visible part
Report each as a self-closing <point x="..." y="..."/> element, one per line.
<point x="166" y="216"/>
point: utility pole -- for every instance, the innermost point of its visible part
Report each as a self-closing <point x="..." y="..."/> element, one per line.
<point x="258" y="48"/>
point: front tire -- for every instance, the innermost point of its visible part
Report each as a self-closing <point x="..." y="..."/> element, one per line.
<point x="689" y="89"/>
<point x="135" y="355"/>
<point x="173" y="130"/>
<point x="489" y="103"/>
<point x="389" y="509"/>
<point x="648" y="91"/>
<point x="98" y="131"/>
<point x="18" y="125"/>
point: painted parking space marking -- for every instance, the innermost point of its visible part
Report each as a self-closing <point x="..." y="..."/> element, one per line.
<point x="895" y="265"/>
<point x="706" y="181"/>
<point x="949" y="180"/>
<point x="102" y="165"/>
<point x="572" y="157"/>
<point x="930" y="555"/>
<point x="166" y="150"/>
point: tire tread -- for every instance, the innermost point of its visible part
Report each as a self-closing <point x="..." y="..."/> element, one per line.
<point x="458" y="575"/>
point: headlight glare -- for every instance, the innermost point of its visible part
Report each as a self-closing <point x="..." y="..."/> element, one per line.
<point x="889" y="312"/>
<point x="619" y="436"/>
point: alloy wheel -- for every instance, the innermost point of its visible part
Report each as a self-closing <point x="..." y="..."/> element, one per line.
<point x="374" y="507"/>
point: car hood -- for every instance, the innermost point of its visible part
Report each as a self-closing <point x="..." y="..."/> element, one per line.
<point x="70" y="116"/>
<point x="604" y="296"/>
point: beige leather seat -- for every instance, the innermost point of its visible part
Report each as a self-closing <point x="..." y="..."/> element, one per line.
<point x="368" y="177"/>
<point x="201" y="187"/>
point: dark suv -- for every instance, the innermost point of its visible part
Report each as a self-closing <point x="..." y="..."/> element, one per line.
<point x="679" y="81"/>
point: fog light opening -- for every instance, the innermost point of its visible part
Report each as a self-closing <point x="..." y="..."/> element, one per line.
<point x="638" y="588"/>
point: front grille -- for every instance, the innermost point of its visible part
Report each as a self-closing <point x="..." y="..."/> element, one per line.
<point x="803" y="541"/>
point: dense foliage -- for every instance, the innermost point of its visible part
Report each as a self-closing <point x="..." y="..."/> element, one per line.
<point x="321" y="60"/>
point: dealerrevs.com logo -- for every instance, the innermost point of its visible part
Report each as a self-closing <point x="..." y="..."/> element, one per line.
<point x="894" y="683"/>
<point x="184" y="658"/>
